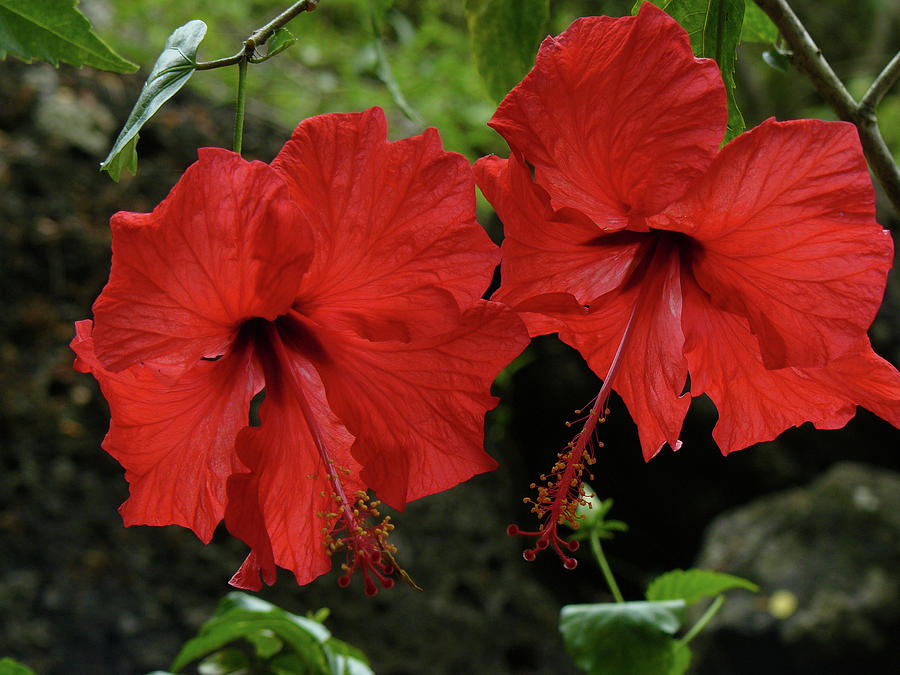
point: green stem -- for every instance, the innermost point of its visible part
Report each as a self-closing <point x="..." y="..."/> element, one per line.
<point x="386" y="75"/>
<point x="241" y="104"/>
<point x="604" y="565"/>
<point x="705" y="619"/>
<point x="260" y="36"/>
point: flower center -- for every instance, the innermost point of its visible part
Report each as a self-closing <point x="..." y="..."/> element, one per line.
<point x="348" y="520"/>
<point x="558" y="499"/>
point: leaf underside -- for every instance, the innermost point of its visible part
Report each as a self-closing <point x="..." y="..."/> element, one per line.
<point x="170" y="73"/>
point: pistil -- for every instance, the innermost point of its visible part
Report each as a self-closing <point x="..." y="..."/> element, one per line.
<point x="347" y="524"/>
<point x="557" y="502"/>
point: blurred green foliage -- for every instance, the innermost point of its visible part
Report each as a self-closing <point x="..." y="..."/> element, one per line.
<point x="333" y="66"/>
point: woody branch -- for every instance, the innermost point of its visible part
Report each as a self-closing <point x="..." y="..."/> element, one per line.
<point x="808" y="58"/>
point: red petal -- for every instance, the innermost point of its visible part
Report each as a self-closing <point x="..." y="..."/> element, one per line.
<point x="553" y="269"/>
<point x="224" y="246"/>
<point x="417" y="408"/>
<point x="546" y="252"/>
<point x="785" y="220"/>
<point x="175" y="441"/>
<point x="396" y="236"/>
<point x="755" y="403"/>
<point x="653" y="370"/>
<point x="277" y="508"/>
<point x="617" y="117"/>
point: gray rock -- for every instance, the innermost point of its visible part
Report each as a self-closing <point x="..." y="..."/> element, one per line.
<point x="826" y="558"/>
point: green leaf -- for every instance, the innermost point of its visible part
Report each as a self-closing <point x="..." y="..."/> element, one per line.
<point x="125" y="158"/>
<point x="287" y="664"/>
<point x="636" y="7"/>
<point x="714" y="28"/>
<point x="243" y="617"/>
<point x="758" y="27"/>
<point x="265" y="643"/>
<point x="624" y="638"/>
<point x="505" y="37"/>
<point x="681" y="659"/>
<point x="383" y="69"/>
<point x="10" y="667"/>
<point x="171" y="71"/>
<point x="591" y="517"/>
<point x="281" y="40"/>
<point x="346" y="659"/>
<point x="225" y="662"/>
<point x="693" y="585"/>
<point x="242" y="601"/>
<point x="777" y="59"/>
<point x="54" y="31"/>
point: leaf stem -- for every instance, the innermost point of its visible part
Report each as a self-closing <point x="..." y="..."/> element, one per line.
<point x="241" y="104"/>
<point x="604" y="566"/>
<point x="260" y="36"/>
<point x="810" y="60"/>
<point x="710" y="612"/>
<point x="386" y="75"/>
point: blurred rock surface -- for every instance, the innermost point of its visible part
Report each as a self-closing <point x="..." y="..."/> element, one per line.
<point x="827" y="560"/>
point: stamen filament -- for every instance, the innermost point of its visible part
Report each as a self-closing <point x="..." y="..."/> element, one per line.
<point x="346" y="527"/>
<point x="556" y="503"/>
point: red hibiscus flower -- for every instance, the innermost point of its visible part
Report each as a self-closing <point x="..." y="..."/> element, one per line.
<point x="757" y="268"/>
<point x="344" y="281"/>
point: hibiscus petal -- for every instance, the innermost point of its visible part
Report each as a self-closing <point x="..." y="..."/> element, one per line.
<point x="546" y="252"/>
<point x="755" y="403"/>
<point x="175" y="441"/>
<point x="617" y="117"/>
<point x="396" y="238"/>
<point x="184" y="276"/>
<point x="417" y="408"/>
<point x="653" y="370"/>
<point x="277" y="507"/>
<point x="785" y="222"/>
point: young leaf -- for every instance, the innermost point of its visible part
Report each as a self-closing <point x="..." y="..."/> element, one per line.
<point x="125" y="158"/>
<point x="10" y="667"/>
<point x="341" y="664"/>
<point x="777" y="59"/>
<point x="681" y="659"/>
<point x="626" y="638"/>
<point x="265" y="643"/>
<point x="592" y="518"/>
<point x="714" y="28"/>
<point x="758" y="27"/>
<point x="383" y="69"/>
<point x="505" y="37"/>
<point x="54" y="31"/>
<point x="281" y="40"/>
<point x="287" y="642"/>
<point x="693" y="585"/>
<point x="225" y="662"/>
<point x="171" y="71"/>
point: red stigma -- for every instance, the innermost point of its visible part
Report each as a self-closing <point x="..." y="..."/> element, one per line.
<point x="558" y="499"/>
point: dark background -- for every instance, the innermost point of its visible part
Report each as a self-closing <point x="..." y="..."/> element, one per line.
<point x="81" y="594"/>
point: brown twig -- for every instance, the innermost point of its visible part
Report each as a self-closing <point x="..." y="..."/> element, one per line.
<point x="808" y="58"/>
